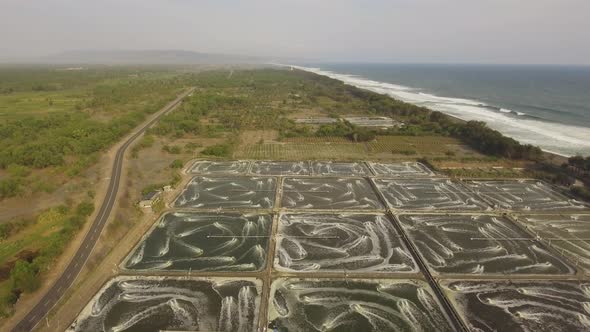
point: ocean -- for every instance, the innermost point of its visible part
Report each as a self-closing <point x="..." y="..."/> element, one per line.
<point x="547" y="106"/>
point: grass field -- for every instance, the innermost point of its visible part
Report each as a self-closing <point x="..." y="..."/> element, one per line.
<point x="37" y="90"/>
<point x="16" y="105"/>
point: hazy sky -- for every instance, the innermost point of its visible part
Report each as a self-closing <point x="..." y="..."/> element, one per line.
<point x="485" y="31"/>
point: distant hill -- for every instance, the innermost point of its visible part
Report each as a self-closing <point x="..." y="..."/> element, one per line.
<point x="166" y="57"/>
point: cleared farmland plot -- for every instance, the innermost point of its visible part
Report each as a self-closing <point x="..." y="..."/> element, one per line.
<point x="523" y="195"/>
<point x="340" y="242"/>
<point x="479" y="245"/>
<point x="328" y="168"/>
<point x="514" y="305"/>
<point x="172" y="304"/>
<point x="280" y="168"/>
<point x="328" y="193"/>
<point x="318" y="140"/>
<point x="228" y="192"/>
<point x="568" y="234"/>
<point x="401" y="170"/>
<point x="220" y="167"/>
<point x="429" y="195"/>
<point x="354" y="305"/>
<point x="204" y="242"/>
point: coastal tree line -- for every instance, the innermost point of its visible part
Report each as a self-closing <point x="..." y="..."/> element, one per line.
<point x="421" y="120"/>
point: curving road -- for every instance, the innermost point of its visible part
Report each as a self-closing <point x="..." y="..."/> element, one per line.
<point x="75" y="266"/>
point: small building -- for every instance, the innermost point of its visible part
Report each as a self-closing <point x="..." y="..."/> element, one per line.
<point x="319" y="120"/>
<point x="148" y="200"/>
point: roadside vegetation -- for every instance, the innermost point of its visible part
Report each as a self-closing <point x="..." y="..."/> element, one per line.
<point x="54" y="124"/>
<point x="30" y="247"/>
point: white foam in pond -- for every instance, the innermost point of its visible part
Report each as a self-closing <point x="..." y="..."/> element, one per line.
<point x="344" y="242"/>
<point x="159" y="303"/>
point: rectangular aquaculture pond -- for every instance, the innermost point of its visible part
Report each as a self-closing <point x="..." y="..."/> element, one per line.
<point x="341" y="242"/>
<point x="479" y="245"/>
<point x="228" y="192"/>
<point x="328" y="168"/>
<point x="328" y="193"/>
<point x="204" y="242"/>
<point x="515" y="305"/>
<point x="172" y="304"/>
<point x="220" y="167"/>
<point x="429" y="195"/>
<point x="401" y="170"/>
<point x="354" y="305"/>
<point x="280" y="168"/>
<point x="523" y="196"/>
<point x="567" y="234"/>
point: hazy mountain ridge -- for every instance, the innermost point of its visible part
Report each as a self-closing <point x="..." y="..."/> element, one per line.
<point x="165" y="57"/>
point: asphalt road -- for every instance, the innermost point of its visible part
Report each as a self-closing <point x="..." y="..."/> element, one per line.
<point x="75" y="266"/>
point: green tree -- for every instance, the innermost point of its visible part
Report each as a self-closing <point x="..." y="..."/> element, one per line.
<point x="85" y="209"/>
<point x="219" y="150"/>
<point x="174" y="149"/>
<point x="23" y="276"/>
<point x="9" y="188"/>
<point x="177" y="164"/>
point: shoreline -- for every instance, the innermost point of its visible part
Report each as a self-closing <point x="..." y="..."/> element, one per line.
<point x="552" y="156"/>
<point x="573" y="140"/>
